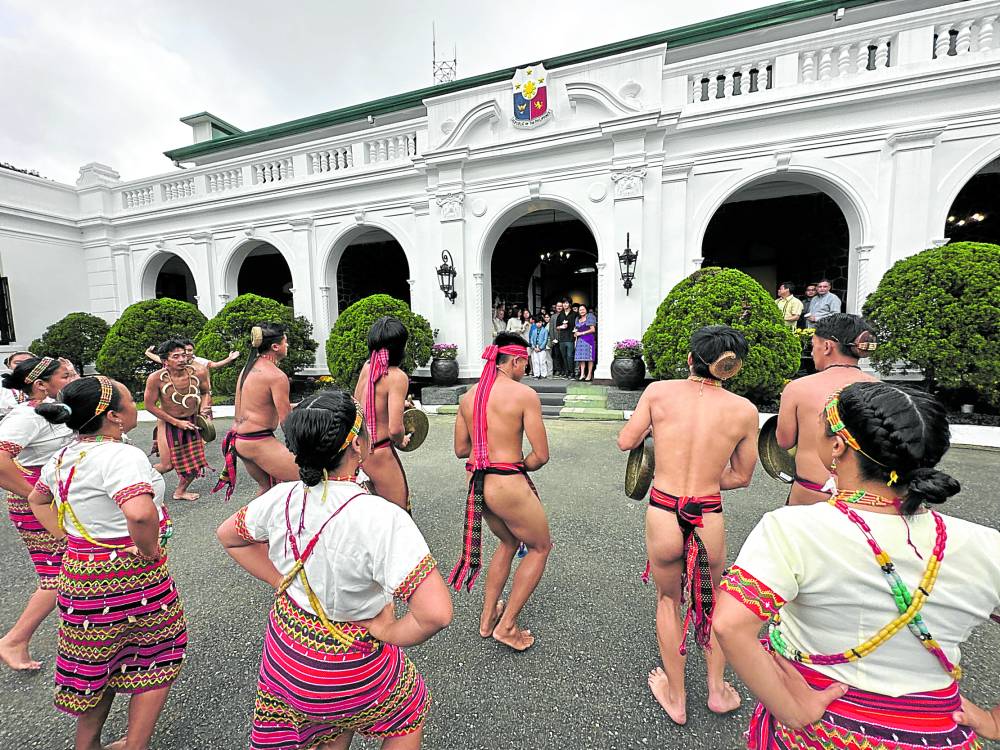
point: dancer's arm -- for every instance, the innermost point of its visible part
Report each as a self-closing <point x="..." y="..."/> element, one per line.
<point x="787" y="434"/>
<point x="985" y="723"/>
<point x="45" y="513"/>
<point x="428" y="611"/>
<point x="223" y="362"/>
<point x="10" y="476"/>
<point x="143" y="520"/>
<point x="399" y="383"/>
<point x="744" y="459"/>
<point x="280" y="395"/>
<point x="463" y="440"/>
<point x="775" y="681"/>
<point x="639" y="425"/>
<point x="151" y="354"/>
<point x="251" y="556"/>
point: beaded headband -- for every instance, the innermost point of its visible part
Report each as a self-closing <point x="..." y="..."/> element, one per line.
<point x="103" y="401"/>
<point x="359" y="419"/>
<point x="839" y="428"/>
<point x="42" y="366"/>
<point x="256" y="337"/>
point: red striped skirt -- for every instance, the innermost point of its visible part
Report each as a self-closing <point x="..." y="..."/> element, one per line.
<point x="311" y="687"/>
<point x="121" y="628"/>
<point x="869" y="721"/>
<point x="45" y="550"/>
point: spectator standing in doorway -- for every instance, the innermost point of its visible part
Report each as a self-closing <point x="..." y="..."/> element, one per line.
<point x="810" y="296"/>
<point x="499" y="321"/>
<point x="555" y="356"/>
<point x="586" y="343"/>
<point x="791" y="308"/>
<point x="824" y="303"/>
<point x="565" y="322"/>
<point x="538" y="339"/>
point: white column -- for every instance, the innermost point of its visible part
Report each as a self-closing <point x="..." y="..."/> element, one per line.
<point x="323" y="322"/>
<point x="862" y="289"/>
<point x="909" y="198"/>
<point x="303" y="299"/>
<point x="621" y="313"/>
<point x="121" y="268"/>
<point x="202" y="249"/>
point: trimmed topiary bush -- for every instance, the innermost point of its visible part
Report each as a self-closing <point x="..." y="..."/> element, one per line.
<point x="142" y="324"/>
<point x="78" y="337"/>
<point x="939" y="310"/>
<point x="724" y="296"/>
<point x="347" y="346"/>
<point x="229" y="330"/>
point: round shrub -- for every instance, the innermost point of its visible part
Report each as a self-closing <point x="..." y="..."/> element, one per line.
<point x="347" y="346"/>
<point x="140" y="325"/>
<point x="724" y="296"/>
<point x="77" y="337"/>
<point x="939" y="310"/>
<point x="229" y="330"/>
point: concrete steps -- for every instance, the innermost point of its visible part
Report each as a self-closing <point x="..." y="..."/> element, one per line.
<point x="564" y="399"/>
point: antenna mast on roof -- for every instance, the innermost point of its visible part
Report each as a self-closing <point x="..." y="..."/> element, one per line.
<point x="443" y="70"/>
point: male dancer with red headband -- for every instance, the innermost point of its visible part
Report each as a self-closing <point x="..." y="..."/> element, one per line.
<point x="705" y="441"/>
<point x="382" y="388"/>
<point x="493" y="418"/>
<point x="839" y="341"/>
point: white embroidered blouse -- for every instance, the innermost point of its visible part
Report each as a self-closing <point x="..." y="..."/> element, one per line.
<point x="30" y="438"/>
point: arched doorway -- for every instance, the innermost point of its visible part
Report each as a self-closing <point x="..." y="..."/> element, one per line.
<point x="372" y="263"/>
<point x="175" y="280"/>
<point x="542" y="257"/>
<point x="975" y="214"/>
<point x="782" y="230"/>
<point x="264" y="271"/>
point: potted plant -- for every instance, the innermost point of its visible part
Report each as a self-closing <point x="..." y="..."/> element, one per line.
<point x="627" y="369"/>
<point x="444" y="365"/>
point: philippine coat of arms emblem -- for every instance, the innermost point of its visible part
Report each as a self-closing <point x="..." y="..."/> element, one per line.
<point x="531" y="98"/>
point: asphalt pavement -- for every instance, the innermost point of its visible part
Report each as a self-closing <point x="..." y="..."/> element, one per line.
<point x="583" y="684"/>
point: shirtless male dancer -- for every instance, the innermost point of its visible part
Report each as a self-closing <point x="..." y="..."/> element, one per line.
<point x="382" y="389"/>
<point x="839" y="341"/>
<point x="705" y="441"/>
<point x="262" y="403"/>
<point x="499" y="487"/>
<point x="175" y="395"/>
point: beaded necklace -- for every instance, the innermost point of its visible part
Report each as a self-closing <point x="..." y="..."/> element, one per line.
<point x="907" y="604"/>
<point x="703" y="381"/>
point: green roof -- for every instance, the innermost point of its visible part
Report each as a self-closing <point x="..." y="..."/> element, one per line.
<point x="751" y="20"/>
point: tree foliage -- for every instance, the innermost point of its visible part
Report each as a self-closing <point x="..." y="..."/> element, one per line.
<point x="152" y="321"/>
<point x="347" y="346"/>
<point x="724" y="296"/>
<point x="229" y="330"/>
<point x="940" y="310"/>
<point x="78" y="337"/>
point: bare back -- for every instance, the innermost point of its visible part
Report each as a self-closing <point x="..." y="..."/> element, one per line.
<point x="390" y="400"/>
<point x="262" y="400"/>
<point x="699" y="431"/>
<point x="510" y="402"/>
<point x="800" y="422"/>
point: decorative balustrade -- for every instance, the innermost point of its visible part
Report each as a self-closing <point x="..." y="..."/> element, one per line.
<point x="227" y="179"/>
<point x="330" y="160"/>
<point x="275" y="170"/>
<point x="730" y="81"/>
<point x="847" y="59"/>
<point x="138" y="197"/>
<point x="177" y="189"/>
<point x="390" y="148"/>
<point x="964" y="37"/>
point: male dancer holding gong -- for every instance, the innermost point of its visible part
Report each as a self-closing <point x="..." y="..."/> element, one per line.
<point x="176" y="394"/>
<point x="705" y="441"/>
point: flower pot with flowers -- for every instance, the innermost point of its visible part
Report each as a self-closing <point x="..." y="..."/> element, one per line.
<point x="444" y="364"/>
<point x="628" y="371"/>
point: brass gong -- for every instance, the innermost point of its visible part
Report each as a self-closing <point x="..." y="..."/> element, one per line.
<point x="639" y="470"/>
<point x="415" y="425"/>
<point x="777" y="462"/>
<point x="206" y="427"/>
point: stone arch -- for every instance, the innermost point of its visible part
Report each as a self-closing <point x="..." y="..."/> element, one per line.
<point x="329" y="259"/>
<point x="149" y="274"/>
<point x="238" y="253"/>
<point x="957" y="178"/>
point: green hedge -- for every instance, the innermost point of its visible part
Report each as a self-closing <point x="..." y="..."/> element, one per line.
<point x="724" y="296"/>
<point x="230" y="330"/>
<point x="78" y="337"/>
<point x="151" y="321"/>
<point x="939" y="310"/>
<point x="347" y="346"/>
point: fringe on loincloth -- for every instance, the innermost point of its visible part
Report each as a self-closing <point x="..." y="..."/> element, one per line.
<point x="312" y="687"/>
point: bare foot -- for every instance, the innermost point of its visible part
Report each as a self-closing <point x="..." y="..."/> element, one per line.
<point x="676" y="708"/>
<point x="187" y="496"/>
<point x="117" y="744"/>
<point x="728" y="701"/>
<point x="16" y="657"/>
<point x="517" y="639"/>
<point x="487" y="630"/>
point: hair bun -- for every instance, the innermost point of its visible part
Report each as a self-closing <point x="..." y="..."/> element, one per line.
<point x="54" y="412"/>
<point x="725" y="366"/>
<point x="928" y="486"/>
<point x="310" y="475"/>
<point x="256" y="337"/>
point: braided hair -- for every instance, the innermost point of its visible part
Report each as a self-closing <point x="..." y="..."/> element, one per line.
<point x="904" y="431"/>
<point x="316" y="429"/>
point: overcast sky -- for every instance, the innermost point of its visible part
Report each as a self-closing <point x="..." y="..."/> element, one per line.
<point x="107" y="80"/>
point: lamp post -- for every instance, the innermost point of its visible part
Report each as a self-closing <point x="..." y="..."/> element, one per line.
<point x="446" y="276"/>
<point x="626" y="261"/>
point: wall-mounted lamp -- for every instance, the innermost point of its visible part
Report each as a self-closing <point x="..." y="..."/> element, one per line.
<point x="626" y="260"/>
<point x="446" y="276"/>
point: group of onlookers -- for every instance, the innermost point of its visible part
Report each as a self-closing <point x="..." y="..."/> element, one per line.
<point x="819" y="302"/>
<point x="561" y="338"/>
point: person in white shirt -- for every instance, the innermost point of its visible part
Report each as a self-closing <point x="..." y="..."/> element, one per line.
<point x="337" y="557"/>
<point x="869" y="595"/>
<point x="11" y="397"/>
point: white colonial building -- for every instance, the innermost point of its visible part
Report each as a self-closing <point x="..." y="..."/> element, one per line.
<point x="852" y="125"/>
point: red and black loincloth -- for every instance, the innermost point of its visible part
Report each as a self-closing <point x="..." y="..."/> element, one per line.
<point x="187" y="450"/>
<point x="227" y="477"/>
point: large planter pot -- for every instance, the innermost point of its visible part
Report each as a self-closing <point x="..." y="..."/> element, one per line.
<point x="444" y="371"/>
<point x="628" y="372"/>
